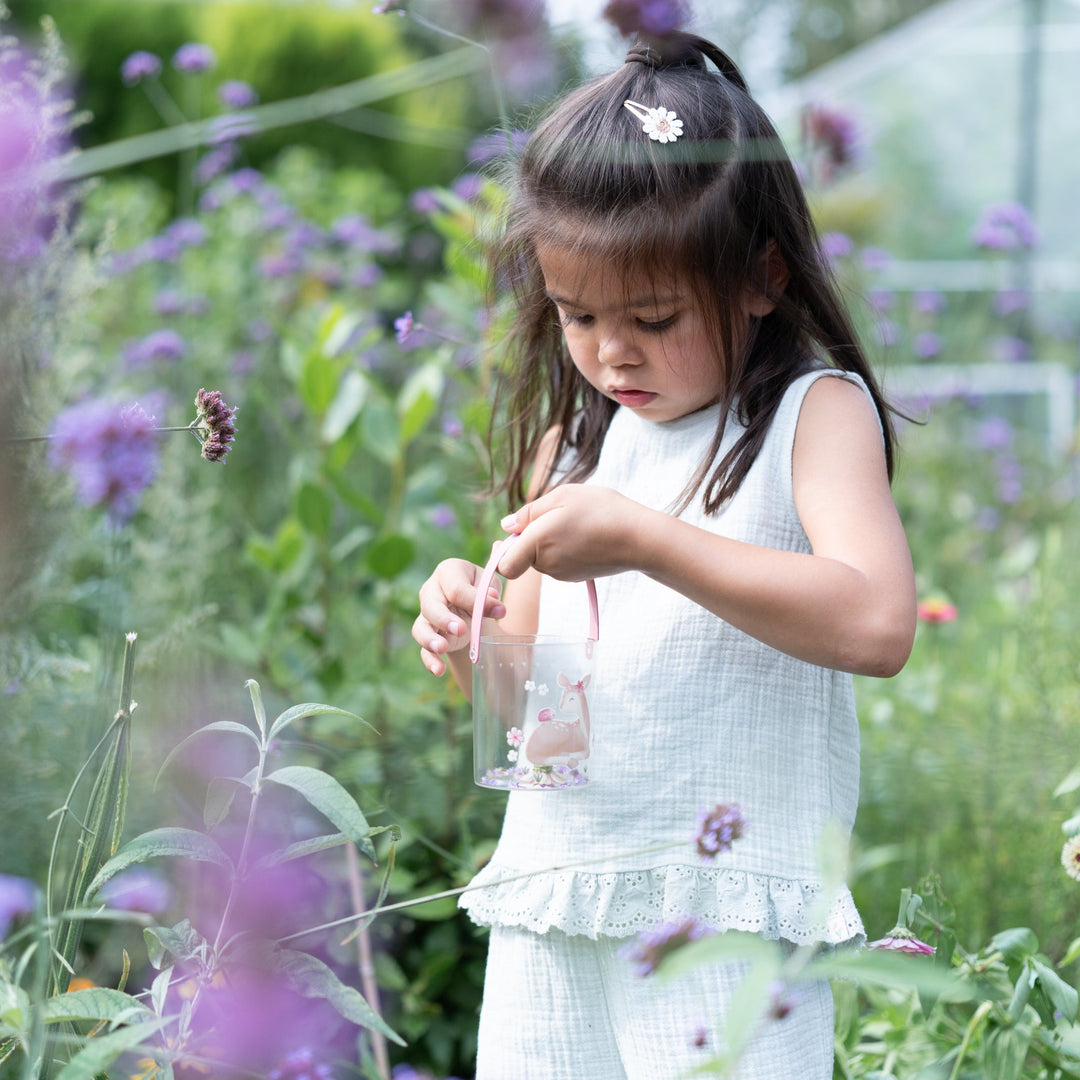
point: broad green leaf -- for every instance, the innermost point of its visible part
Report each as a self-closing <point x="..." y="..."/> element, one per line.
<point x="314" y="509"/>
<point x="327" y="796"/>
<point x="186" y="843"/>
<point x="351" y="394"/>
<point x="1071" y="953"/>
<point x="390" y="555"/>
<point x="318" y="382"/>
<point x="1072" y="826"/>
<point x="97" y="1003"/>
<point x="182" y="941"/>
<point x="301" y="848"/>
<point x="102" y="1050"/>
<point x="159" y="989"/>
<point x="1006" y="1049"/>
<point x="298" y="712"/>
<point x="418" y="399"/>
<point x="1017" y="943"/>
<point x="230" y="726"/>
<point x="337" y="329"/>
<point x="1063" y="996"/>
<point x="313" y="979"/>
<point x="379" y="429"/>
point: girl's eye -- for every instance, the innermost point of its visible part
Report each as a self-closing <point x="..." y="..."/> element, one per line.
<point x="569" y="319"/>
<point x="658" y="326"/>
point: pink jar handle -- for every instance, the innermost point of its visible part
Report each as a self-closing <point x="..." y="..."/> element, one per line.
<point x="497" y="552"/>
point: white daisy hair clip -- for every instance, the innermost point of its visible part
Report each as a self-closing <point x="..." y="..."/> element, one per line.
<point x="659" y="124"/>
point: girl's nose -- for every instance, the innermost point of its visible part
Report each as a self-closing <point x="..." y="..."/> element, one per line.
<point x="616" y="349"/>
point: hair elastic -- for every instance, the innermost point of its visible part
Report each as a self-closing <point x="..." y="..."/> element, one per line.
<point x="659" y="124"/>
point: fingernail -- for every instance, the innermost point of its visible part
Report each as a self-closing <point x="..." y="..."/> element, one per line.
<point x="455" y="627"/>
<point x="509" y="523"/>
<point x="433" y="645"/>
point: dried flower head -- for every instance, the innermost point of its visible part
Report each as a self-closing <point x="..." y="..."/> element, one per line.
<point x="718" y="828"/>
<point x="1070" y="857"/>
<point x="213" y="424"/>
<point x="648" y="950"/>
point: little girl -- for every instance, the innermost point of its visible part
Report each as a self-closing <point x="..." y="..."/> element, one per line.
<point x="705" y="438"/>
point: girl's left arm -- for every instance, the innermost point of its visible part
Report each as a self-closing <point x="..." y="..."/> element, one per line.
<point x="848" y="605"/>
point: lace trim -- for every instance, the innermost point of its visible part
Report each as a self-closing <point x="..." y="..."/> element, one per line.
<point x="623" y="904"/>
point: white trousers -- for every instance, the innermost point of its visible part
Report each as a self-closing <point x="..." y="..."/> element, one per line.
<point x="559" y="1007"/>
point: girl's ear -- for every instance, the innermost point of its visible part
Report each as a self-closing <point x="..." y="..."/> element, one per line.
<point x="772" y="278"/>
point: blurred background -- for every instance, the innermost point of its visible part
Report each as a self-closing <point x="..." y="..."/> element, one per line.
<point x="282" y="202"/>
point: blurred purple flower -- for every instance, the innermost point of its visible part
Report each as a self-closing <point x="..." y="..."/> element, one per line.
<point x="995" y="433"/>
<point x="453" y="427"/>
<point x="882" y="299"/>
<point x="365" y="276"/>
<point x="647" y="951"/>
<point x="278" y="216"/>
<point x="988" y="518"/>
<point x="1010" y="301"/>
<point x="162" y="248"/>
<point x="305" y="236"/>
<point x="12" y="686"/>
<point x="243" y="362"/>
<point x="467" y="186"/>
<point x="782" y="1000"/>
<point x="356" y="231"/>
<point x="187" y="232"/>
<point x="164" y="345"/>
<point x="214" y="162"/>
<point x="246" y="180"/>
<point x="260" y="330"/>
<point x="403" y="327"/>
<point x="443" y="516"/>
<point x="929" y="301"/>
<point x="169" y="302"/>
<point x="1005" y="226"/>
<point x="927" y="345"/>
<point x="1010" y="350"/>
<point x="330" y="274"/>
<point x="425" y="201"/>
<point x="279" y="265"/>
<point x="656" y="17"/>
<point x="718" y="827"/>
<point x="1010" y="478"/>
<point x="110" y="452"/>
<point x="836" y="245"/>
<point x="137" y="889"/>
<point x="194" y="58"/>
<point x="887" y="332"/>
<point x="237" y="94"/>
<point x="138" y="66"/>
<point x="832" y="136"/>
<point x="875" y="258"/>
<point x="495" y="144"/>
<point x="18" y="896"/>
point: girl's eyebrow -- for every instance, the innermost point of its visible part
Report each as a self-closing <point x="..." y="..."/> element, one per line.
<point x="653" y="300"/>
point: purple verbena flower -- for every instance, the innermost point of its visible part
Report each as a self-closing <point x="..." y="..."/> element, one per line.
<point x="138" y="66"/>
<point x="230" y="127"/>
<point x="246" y="180"/>
<point x="443" y="516"/>
<point x="356" y="231"/>
<point x="187" y="232"/>
<point x="453" y="427"/>
<point x="279" y="265"/>
<point x="875" y="258"/>
<point x="648" y="950"/>
<point x="1010" y="350"/>
<point x="887" y="332"/>
<point x="718" y="827"/>
<point x="995" y="433"/>
<point x="214" y="162"/>
<point x="18" y="896"/>
<point x="425" y="201"/>
<point x="652" y="17"/>
<point x="214" y="425"/>
<point x="164" y="345"/>
<point x="929" y="301"/>
<point x="1005" y="226"/>
<point x="164" y="248"/>
<point x="365" y="275"/>
<point x="836" y="245"/>
<point x="260" y="330"/>
<point x="169" y="302"/>
<point x="927" y="344"/>
<point x="1009" y="301"/>
<point x="495" y="144"/>
<point x="882" y="299"/>
<point x="237" y="94"/>
<point x="403" y="327"/>
<point x="111" y="454"/>
<point x="194" y="58"/>
<point x="137" y="889"/>
<point x="468" y="186"/>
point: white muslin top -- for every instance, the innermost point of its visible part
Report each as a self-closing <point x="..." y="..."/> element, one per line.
<point x="687" y="712"/>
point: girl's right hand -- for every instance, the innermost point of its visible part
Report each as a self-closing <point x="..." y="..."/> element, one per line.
<point x="446" y="604"/>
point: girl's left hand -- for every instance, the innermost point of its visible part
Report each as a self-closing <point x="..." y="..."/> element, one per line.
<point x="573" y="533"/>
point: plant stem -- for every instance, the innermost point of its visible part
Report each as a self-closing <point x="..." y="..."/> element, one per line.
<point x="366" y="966"/>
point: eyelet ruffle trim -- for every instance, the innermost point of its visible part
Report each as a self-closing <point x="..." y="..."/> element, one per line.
<point x="623" y="904"/>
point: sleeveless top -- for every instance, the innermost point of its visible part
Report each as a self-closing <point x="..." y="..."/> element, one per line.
<point x="687" y="712"/>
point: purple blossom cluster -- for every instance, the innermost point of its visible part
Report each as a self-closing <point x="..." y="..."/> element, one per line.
<point x="237" y="94"/>
<point x="214" y="424"/>
<point x="649" y="949"/>
<point x="137" y="889"/>
<point x="653" y="18"/>
<point x="718" y="827"/>
<point x="159" y="346"/>
<point x="832" y="139"/>
<point x="194" y="58"/>
<point x="18" y="896"/>
<point x="138" y="66"/>
<point x="1005" y="226"/>
<point x="110" y="452"/>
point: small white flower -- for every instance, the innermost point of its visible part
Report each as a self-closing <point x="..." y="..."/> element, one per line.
<point x="515" y="737"/>
<point x="529" y="686"/>
<point x="542" y="689"/>
<point x="1070" y="857"/>
<point x="660" y="124"/>
<point x="511" y="755"/>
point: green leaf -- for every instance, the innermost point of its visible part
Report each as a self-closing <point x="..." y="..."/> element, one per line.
<point x="351" y="394"/>
<point x="379" y="430"/>
<point x="255" y="691"/>
<point x="298" y="712"/>
<point x="220" y="794"/>
<point x="313" y="979"/>
<point x="230" y="726"/>
<point x="314" y="509"/>
<point x="318" y="382"/>
<point x="102" y="1050"/>
<point x="1070" y="783"/>
<point x="900" y="971"/>
<point x="186" y="843"/>
<point x="1006" y="1049"/>
<point x="336" y="330"/>
<point x="1071" y="953"/>
<point x="182" y="942"/>
<point x="1061" y="994"/>
<point x="1017" y="943"/>
<point x="327" y="796"/>
<point x="390" y="555"/>
<point x="418" y="399"/>
<point x="97" y="1003"/>
<point x="732" y="945"/>
<point x="300" y="849"/>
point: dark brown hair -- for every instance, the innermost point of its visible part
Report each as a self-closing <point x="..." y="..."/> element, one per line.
<point x="710" y="208"/>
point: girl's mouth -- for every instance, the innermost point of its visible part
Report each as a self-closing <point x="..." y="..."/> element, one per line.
<point x="633" y="399"/>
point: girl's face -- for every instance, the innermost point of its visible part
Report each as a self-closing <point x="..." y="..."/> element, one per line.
<point x="640" y="341"/>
